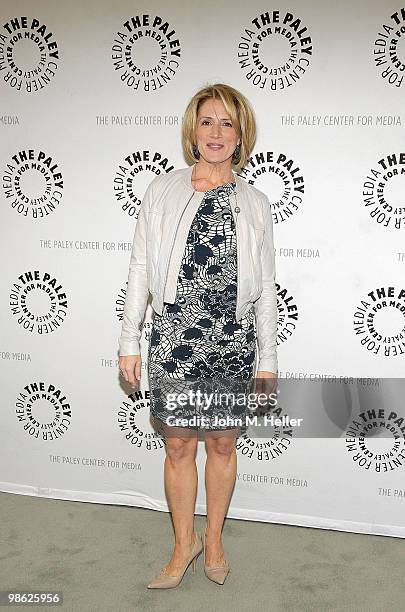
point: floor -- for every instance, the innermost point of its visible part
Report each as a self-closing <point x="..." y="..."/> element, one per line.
<point x="103" y="556"/>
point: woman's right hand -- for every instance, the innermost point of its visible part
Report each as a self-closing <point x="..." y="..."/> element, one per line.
<point x="130" y="367"/>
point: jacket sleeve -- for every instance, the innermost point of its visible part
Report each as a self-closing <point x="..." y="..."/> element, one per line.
<point x="137" y="289"/>
<point x="266" y="305"/>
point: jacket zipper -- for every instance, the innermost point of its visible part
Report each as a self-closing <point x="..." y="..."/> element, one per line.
<point x="172" y="245"/>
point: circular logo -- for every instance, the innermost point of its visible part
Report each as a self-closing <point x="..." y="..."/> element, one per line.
<point x="266" y="448"/>
<point x="387" y="53"/>
<point x="146" y="52"/>
<point x="278" y="174"/>
<point x="39" y="302"/>
<point x="29" y="54"/>
<point x="33" y="183"/>
<point x="128" y="422"/>
<point x="43" y="411"/>
<point x="133" y="175"/>
<point x="375" y="440"/>
<point x="275" y="50"/>
<point x="379" y="322"/>
<point x="383" y="190"/>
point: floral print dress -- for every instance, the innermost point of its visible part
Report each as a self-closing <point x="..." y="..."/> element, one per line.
<point x="197" y="338"/>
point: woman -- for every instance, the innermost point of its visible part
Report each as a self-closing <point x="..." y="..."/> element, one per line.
<point x="203" y="247"/>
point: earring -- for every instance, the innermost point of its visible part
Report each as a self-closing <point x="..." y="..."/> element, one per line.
<point x="196" y="152"/>
<point x="236" y="154"/>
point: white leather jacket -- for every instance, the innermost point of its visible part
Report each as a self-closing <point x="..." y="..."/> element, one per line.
<point x="165" y="216"/>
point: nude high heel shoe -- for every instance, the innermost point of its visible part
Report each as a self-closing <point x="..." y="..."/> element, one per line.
<point x="218" y="573"/>
<point x="164" y="581"/>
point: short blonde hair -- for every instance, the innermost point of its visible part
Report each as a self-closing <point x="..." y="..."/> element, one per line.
<point x="240" y="112"/>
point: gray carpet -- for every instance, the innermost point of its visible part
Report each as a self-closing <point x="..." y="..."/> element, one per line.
<point x="103" y="556"/>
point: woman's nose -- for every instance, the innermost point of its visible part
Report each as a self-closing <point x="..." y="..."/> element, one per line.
<point x="216" y="129"/>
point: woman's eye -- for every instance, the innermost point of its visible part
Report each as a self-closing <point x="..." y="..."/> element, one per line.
<point x="224" y="123"/>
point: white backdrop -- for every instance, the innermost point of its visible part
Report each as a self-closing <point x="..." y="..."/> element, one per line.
<point x="92" y="97"/>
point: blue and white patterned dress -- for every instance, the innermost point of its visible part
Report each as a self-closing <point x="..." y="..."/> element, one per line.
<point x="198" y="337"/>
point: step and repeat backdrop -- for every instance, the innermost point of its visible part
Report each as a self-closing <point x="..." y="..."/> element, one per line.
<point x="92" y="99"/>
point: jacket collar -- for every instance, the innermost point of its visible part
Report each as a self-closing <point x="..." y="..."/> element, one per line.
<point x="187" y="173"/>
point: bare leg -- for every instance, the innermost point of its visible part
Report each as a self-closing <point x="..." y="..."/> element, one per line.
<point x="181" y="478"/>
<point x="220" y="474"/>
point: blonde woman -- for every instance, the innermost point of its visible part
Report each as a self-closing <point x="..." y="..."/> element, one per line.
<point x="203" y="248"/>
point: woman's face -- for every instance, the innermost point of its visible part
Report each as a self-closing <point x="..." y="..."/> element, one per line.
<point x="215" y="134"/>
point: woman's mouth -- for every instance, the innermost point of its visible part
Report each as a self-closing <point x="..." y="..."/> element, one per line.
<point x="215" y="147"/>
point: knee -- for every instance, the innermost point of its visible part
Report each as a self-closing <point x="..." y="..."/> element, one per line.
<point x="223" y="447"/>
<point x="179" y="449"/>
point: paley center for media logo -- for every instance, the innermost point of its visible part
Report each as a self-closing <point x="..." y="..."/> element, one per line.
<point x="265" y="165"/>
<point x="387" y="52"/>
<point x="375" y="440"/>
<point x="28" y="67"/>
<point x="132" y="176"/>
<point x="32" y="183"/>
<point x="43" y="410"/>
<point x="383" y="190"/>
<point x="131" y="416"/>
<point x="275" y="50"/>
<point x="379" y="321"/>
<point x="39" y="302"/>
<point x="146" y="52"/>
